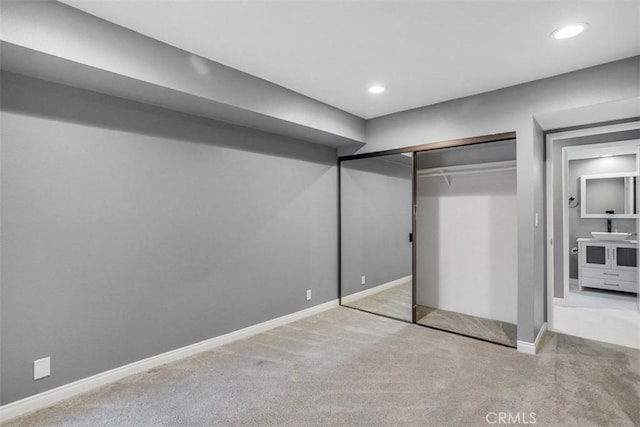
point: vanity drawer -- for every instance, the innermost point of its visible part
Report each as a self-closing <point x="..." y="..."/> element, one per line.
<point x="614" y="285"/>
<point x="609" y="274"/>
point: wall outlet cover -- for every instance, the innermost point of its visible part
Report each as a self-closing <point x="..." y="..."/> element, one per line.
<point x="363" y="280"/>
<point x="308" y="294"/>
<point x="41" y="368"/>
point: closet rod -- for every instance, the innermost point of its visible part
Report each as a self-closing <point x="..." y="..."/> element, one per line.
<point x="468" y="169"/>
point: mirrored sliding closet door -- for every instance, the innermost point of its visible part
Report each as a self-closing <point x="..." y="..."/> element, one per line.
<point x="376" y="226"/>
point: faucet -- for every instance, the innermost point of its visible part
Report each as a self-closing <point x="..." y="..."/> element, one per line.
<point x="609" y="220"/>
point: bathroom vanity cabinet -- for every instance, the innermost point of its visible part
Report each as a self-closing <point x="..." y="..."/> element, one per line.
<point x="608" y="265"/>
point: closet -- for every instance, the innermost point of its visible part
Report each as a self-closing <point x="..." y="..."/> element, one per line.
<point x="466" y="244"/>
<point x="428" y="235"/>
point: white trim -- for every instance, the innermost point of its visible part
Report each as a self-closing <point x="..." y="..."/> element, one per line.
<point x="532" y="348"/>
<point x="596" y="130"/>
<point x="526" y="347"/>
<point x="376" y="289"/>
<point x="50" y="397"/>
<point x="566" y="222"/>
<point x="559" y="301"/>
<point x="589" y="115"/>
<point x="574" y="283"/>
<point x="541" y="332"/>
<point x="590" y="151"/>
<point x="638" y="225"/>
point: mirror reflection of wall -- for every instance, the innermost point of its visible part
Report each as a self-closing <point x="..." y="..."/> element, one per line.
<point x="606" y="196"/>
<point x="376" y="222"/>
<point x="466" y="243"/>
<point x="603" y="195"/>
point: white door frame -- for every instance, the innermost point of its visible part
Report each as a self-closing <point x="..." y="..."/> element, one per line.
<point x="550" y="138"/>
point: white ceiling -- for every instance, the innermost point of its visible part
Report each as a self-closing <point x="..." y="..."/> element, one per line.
<point x="423" y="52"/>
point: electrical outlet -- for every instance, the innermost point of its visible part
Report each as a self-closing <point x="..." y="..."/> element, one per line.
<point x="363" y="280"/>
<point x="41" y="368"/>
<point x="308" y="294"/>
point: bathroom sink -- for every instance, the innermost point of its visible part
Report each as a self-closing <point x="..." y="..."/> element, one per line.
<point x="602" y="235"/>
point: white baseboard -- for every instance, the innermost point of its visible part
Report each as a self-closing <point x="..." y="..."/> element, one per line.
<point x="50" y="397"/>
<point x="559" y="301"/>
<point x="541" y="332"/>
<point x="371" y="291"/>
<point x="574" y="282"/>
<point x="532" y="347"/>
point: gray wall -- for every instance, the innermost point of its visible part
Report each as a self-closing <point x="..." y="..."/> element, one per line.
<point x="376" y="221"/>
<point x="513" y="109"/>
<point x="559" y="251"/>
<point x="129" y="231"/>
<point x="532" y="290"/>
<point x="582" y="227"/>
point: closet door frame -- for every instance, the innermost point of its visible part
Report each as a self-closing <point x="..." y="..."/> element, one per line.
<point x="497" y="137"/>
<point x="415" y="149"/>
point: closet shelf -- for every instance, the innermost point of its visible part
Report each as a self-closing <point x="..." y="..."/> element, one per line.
<point x="449" y="171"/>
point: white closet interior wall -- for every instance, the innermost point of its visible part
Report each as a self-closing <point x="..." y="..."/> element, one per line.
<point x="467" y="235"/>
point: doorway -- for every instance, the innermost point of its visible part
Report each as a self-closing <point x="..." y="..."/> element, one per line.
<point x="592" y="217"/>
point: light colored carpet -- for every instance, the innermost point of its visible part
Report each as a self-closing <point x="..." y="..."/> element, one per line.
<point x="487" y="329"/>
<point x="345" y="367"/>
<point x="394" y="302"/>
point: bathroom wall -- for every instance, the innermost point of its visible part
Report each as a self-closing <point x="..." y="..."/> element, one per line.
<point x="582" y="227"/>
<point x="559" y="251"/>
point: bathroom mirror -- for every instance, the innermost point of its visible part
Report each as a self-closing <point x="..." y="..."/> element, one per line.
<point x="608" y="193"/>
<point x="375" y="228"/>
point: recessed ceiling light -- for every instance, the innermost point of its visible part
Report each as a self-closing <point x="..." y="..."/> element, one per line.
<point x="376" y="89"/>
<point x="569" y="31"/>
